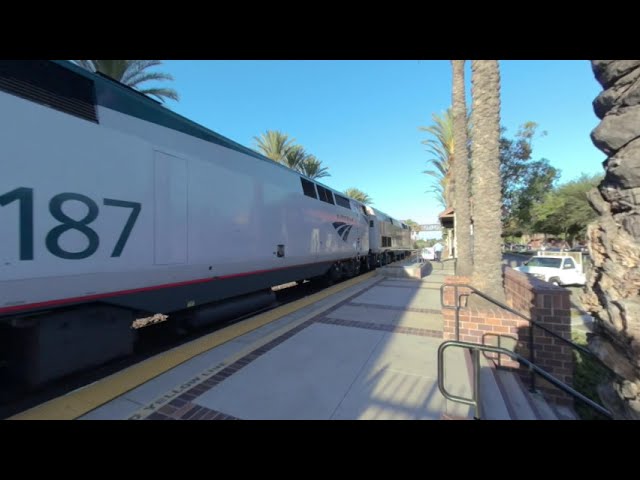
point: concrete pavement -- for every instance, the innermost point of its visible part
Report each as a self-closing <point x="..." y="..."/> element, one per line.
<point x="369" y="352"/>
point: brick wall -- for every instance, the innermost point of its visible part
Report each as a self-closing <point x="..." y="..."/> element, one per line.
<point x="546" y="303"/>
<point x="551" y="307"/>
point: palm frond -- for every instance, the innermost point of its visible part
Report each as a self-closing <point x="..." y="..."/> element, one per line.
<point x="358" y="195"/>
<point x="86" y="64"/>
<point x="312" y="168"/>
<point x="294" y="157"/>
<point x="132" y="73"/>
<point x="440" y="147"/>
<point x="274" y="144"/>
<point x="135" y="67"/>
<point x="161" y="93"/>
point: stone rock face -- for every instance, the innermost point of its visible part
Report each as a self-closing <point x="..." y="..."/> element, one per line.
<point x="625" y="93"/>
<point x="621" y="168"/>
<point x="607" y="72"/>
<point x="617" y="129"/>
<point x="613" y="290"/>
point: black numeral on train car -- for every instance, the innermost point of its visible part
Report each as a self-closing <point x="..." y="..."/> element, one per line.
<point x="68" y="223"/>
<point x="25" y="197"/>
<point x="126" y="231"/>
<point x="52" y="241"/>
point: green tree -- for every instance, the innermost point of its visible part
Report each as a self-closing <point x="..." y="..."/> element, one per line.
<point x="420" y="244"/>
<point x="358" y="195"/>
<point x="312" y="167"/>
<point x="294" y="157"/>
<point x="518" y="219"/>
<point x="413" y="226"/>
<point x="485" y="154"/>
<point x="565" y="210"/>
<point x="460" y="171"/>
<point x="275" y="145"/>
<point x="280" y="148"/>
<point x="133" y="73"/>
<point x="524" y="182"/>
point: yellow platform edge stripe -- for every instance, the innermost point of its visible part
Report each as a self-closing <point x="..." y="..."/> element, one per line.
<point x="79" y="402"/>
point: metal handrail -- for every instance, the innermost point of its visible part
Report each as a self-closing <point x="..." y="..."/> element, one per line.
<point x="500" y="304"/>
<point x="475" y="399"/>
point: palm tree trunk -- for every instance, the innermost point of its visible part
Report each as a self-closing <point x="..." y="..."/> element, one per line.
<point x="460" y="167"/>
<point x="487" y="254"/>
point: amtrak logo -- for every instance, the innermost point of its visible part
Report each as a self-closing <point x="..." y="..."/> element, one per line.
<point x="343" y="229"/>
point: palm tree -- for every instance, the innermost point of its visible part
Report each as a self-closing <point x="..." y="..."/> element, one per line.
<point x="274" y="145"/>
<point x="294" y="157"/>
<point x="132" y="73"/>
<point x="441" y="146"/>
<point x="358" y="195"/>
<point x="460" y="173"/>
<point x="485" y="154"/>
<point x="312" y="168"/>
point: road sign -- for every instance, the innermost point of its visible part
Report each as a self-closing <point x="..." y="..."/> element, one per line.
<point x="430" y="227"/>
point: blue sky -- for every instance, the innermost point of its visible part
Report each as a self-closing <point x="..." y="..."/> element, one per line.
<point x="361" y="118"/>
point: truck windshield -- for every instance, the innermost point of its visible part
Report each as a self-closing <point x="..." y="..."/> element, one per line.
<point x="544" y="262"/>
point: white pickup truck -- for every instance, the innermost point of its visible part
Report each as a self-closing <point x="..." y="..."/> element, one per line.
<point x="558" y="270"/>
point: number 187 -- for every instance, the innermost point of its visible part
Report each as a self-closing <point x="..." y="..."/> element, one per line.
<point x="24" y="196"/>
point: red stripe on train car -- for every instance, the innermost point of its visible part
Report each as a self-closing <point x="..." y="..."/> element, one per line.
<point x="62" y="301"/>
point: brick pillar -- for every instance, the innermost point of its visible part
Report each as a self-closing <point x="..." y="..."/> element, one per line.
<point x="547" y="304"/>
<point x="550" y="306"/>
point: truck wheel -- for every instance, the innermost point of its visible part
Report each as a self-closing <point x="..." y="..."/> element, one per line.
<point x="555" y="281"/>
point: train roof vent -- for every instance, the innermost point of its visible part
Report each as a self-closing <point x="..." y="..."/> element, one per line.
<point x="51" y="85"/>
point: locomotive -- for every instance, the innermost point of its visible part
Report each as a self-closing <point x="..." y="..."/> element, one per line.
<point x="113" y="207"/>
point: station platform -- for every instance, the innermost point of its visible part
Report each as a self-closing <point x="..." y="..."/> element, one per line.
<point x="363" y="349"/>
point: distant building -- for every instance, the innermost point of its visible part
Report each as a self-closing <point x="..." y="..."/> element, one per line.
<point x="447" y="220"/>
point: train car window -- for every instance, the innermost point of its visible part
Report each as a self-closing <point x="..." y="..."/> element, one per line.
<point x="371" y="223"/>
<point x="330" y="197"/>
<point x="309" y="188"/>
<point x="342" y="201"/>
<point x="50" y="85"/>
<point x="321" y="195"/>
<point x="325" y="195"/>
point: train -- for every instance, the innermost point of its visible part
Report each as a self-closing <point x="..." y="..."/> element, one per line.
<point x="113" y="208"/>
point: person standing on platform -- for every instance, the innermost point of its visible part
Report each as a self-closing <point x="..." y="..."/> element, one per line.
<point x="438" y="251"/>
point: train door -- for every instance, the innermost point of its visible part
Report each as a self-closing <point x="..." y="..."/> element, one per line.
<point x="170" y="222"/>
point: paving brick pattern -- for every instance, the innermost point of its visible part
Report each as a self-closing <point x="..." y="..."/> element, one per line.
<point x="182" y="406"/>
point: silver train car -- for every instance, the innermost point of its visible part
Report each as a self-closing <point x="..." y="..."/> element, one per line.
<point x="113" y="207"/>
<point x="389" y="238"/>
